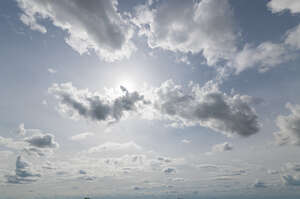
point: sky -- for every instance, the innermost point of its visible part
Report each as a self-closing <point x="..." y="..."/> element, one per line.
<point x="149" y="99"/>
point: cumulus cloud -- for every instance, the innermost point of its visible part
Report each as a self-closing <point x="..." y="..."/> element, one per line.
<point x="222" y="147"/>
<point x="206" y="106"/>
<point x="289" y="126"/>
<point x="114" y="146"/>
<point x="93" y="25"/>
<point x="290" y="180"/>
<point x="42" y="141"/>
<point x="93" y="106"/>
<point x="205" y="27"/>
<point x="23" y="172"/>
<point x="81" y="136"/>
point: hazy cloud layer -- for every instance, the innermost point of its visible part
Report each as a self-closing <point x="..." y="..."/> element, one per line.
<point x="93" y="25"/>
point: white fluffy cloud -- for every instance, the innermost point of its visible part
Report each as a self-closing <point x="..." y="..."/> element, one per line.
<point x="81" y="136"/>
<point x="222" y="147"/>
<point x="205" y="27"/>
<point x="289" y="126"/>
<point x="93" y="25"/>
<point x="93" y="106"/>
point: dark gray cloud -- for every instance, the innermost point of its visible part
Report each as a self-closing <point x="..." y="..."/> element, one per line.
<point x="23" y="173"/>
<point x="42" y="141"/>
<point x="91" y="25"/>
<point x="93" y="106"/>
<point x="289" y="126"/>
<point x="207" y="106"/>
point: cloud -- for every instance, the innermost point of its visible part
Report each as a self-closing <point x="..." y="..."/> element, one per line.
<point x="42" y="141"/>
<point x="205" y="27"/>
<point x="185" y="141"/>
<point x="23" y="173"/>
<point x="293" y="166"/>
<point x="290" y="180"/>
<point x="222" y="147"/>
<point x="259" y="184"/>
<point x="93" y="25"/>
<point x="21" y="130"/>
<point x="11" y="143"/>
<point x="279" y="6"/>
<point x="52" y="71"/>
<point x="81" y="136"/>
<point x="289" y="126"/>
<point x="265" y="56"/>
<point x="169" y="170"/>
<point x="206" y="106"/>
<point x="93" y="106"/>
<point x="114" y="146"/>
<point x="272" y="172"/>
